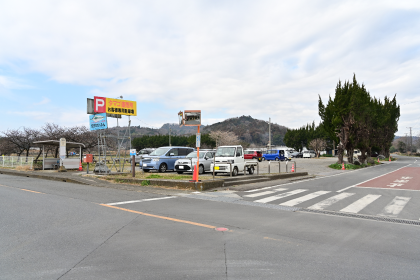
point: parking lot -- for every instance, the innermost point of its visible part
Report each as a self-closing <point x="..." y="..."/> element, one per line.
<point x="314" y="166"/>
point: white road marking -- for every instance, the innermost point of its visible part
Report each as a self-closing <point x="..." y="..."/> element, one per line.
<point x="304" y="198"/>
<point x="255" y="190"/>
<point x="278" y="196"/>
<point x="258" y="194"/>
<point x="330" y="201"/>
<point x="358" y="205"/>
<point x="371" y="178"/>
<point x="141" y="200"/>
<point x="345" y="189"/>
<point x="395" y="206"/>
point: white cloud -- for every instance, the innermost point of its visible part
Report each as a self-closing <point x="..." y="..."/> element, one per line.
<point x="258" y="58"/>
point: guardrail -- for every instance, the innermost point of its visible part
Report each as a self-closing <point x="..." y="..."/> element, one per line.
<point x="10" y="161"/>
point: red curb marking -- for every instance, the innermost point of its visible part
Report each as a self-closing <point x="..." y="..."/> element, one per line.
<point x="407" y="178"/>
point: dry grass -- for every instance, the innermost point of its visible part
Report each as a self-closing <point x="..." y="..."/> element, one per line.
<point x="23" y="168"/>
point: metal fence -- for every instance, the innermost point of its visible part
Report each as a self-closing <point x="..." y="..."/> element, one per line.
<point x="8" y="161"/>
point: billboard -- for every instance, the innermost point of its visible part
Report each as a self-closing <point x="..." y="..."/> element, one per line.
<point x="114" y="106"/>
<point x="98" y="121"/>
<point x="91" y="111"/>
<point x="192" y="117"/>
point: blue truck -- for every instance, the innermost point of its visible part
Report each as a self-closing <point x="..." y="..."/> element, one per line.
<point x="276" y="155"/>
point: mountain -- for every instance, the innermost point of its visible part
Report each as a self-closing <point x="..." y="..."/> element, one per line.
<point x="250" y="130"/>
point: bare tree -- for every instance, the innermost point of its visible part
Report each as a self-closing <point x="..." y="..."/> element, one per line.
<point x="22" y="140"/>
<point x="224" y="138"/>
<point x="318" y="145"/>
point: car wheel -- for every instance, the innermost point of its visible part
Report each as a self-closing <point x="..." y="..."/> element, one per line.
<point x="235" y="171"/>
<point x="180" y="172"/>
<point x="146" y="170"/>
<point x="260" y="159"/>
<point x="277" y="159"/>
<point x="201" y="169"/>
<point x="263" y="159"/>
<point x="251" y="170"/>
<point x="163" y="167"/>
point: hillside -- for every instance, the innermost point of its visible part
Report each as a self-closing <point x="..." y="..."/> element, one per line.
<point x="248" y="129"/>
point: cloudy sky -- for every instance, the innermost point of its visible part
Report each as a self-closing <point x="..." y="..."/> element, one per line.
<point x="227" y="58"/>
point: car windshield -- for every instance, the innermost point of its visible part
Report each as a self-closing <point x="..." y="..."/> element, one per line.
<point x="225" y="152"/>
<point x="249" y="152"/>
<point x="159" y="152"/>
<point x="194" y="155"/>
<point x="142" y="152"/>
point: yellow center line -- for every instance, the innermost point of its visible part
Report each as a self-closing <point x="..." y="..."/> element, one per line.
<point x="31" y="191"/>
<point x="20" y="189"/>
<point x="159" y="217"/>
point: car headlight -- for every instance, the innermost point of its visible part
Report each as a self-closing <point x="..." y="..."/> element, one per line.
<point x="156" y="159"/>
<point x="230" y="161"/>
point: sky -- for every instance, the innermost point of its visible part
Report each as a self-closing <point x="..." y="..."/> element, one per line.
<point x="266" y="59"/>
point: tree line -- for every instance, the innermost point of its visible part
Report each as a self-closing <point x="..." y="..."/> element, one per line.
<point x="355" y="120"/>
<point x="311" y="136"/>
<point x="20" y="141"/>
<point x="156" y="141"/>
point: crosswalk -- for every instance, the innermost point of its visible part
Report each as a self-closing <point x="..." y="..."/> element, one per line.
<point x="327" y="200"/>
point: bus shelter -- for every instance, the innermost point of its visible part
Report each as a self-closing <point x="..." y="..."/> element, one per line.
<point x="52" y="163"/>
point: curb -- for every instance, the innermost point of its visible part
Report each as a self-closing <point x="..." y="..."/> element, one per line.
<point x="38" y="176"/>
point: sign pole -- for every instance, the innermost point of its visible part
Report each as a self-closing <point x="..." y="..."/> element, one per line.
<point x="133" y="166"/>
<point x="198" y="154"/>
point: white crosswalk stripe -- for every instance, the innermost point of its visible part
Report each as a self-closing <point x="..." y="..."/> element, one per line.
<point x="393" y="209"/>
<point x="304" y="198"/>
<point x="330" y="201"/>
<point x="395" y="206"/>
<point x="360" y="204"/>
<point x="279" y="196"/>
<point x="265" y="193"/>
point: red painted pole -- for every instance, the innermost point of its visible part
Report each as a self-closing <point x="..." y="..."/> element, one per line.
<point x="198" y="156"/>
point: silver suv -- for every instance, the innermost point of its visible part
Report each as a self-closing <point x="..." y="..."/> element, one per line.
<point x="142" y="153"/>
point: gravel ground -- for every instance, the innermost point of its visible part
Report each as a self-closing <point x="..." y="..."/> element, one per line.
<point x="314" y="166"/>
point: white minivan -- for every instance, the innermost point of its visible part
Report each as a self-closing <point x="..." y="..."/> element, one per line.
<point x="309" y="154"/>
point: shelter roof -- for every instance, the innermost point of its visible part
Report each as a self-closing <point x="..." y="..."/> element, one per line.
<point x="57" y="143"/>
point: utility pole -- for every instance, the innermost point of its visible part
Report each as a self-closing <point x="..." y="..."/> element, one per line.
<point x="406" y="143"/>
<point x="411" y="140"/>
<point x="269" y="133"/>
<point x="169" y="135"/>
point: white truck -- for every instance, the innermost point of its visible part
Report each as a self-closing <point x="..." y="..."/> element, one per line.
<point x="231" y="159"/>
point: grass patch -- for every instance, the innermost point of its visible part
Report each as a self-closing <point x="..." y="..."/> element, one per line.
<point x="327" y="155"/>
<point x="145" y="182"/>
<point x="349" y="166"/>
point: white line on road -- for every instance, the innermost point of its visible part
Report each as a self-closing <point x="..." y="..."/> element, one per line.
<point x="255" y="190"/>
<point x="372" y="179"/>
<point x="395" y="206"/>
<point x="141" y="200"/>
<point x="360" y="204"/>
<point x="258" y="194"/>
<point x="330" y="201"/>
<point x="265" y="193"/>
<point x="304" y="198"/>
<point x="278" y="196"/>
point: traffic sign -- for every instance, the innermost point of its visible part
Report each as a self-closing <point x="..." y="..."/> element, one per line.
<point x="198" y="140"/>
<point x="132" y="152"/>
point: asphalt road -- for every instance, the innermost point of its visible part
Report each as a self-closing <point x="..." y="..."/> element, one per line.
<point x="54" y="230"/>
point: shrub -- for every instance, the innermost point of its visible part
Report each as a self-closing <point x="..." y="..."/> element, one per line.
<point x="145" y="182"/>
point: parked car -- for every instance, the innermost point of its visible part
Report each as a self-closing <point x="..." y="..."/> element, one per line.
<point x="276" y="155"/>
<point x="309" y="154"/>
<point x="184" y="165"/>
<point x="231" y="159"/>
<point x="374" y="154"/>
<point x="142" y="153"/>
<point x="163" y="158"/>
<point x="296" y="154"/>
<point x="253" y="154"/>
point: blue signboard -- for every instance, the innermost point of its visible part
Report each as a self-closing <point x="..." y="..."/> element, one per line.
<point x="98" y="121"/>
